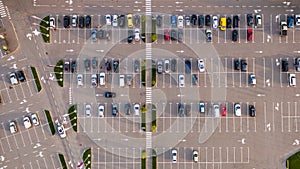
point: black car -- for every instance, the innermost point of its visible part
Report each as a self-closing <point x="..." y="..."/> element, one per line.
<point x="235" y="35"/>
<point x="173" y="34"/>
<point x="21" y="76"/>
<point x="195" y="79"/>
<point x="108" y="65"/>
<point x="181" y="109"/>
<point x="207" y="20"/>
<point x="228" y="22"/>
<point x="243" y="65"/>
<point x="115" y="111"/>
<point x="121" y="20"/>
<point x="81" y="22"/>
<point x="236" y="21"/>
<point x="159" y="20"/>
<point x="200" y="21"/>
<point x="73" y="66"/>
<point x="109" y="94"/>
<point x="173" y="65"/>
<point x="130" y="36"/>
<point x="236" y="64"/>
<point x="88" y="21"/>
<point x="188" y="66"/>
<point x="67" y="66"/>
<point x="180" y="35"/>
<point x="249" y="19"/>
<point x="252" y="111"/>
<point x="284" y="65"/>
<point x="116" y="66"/>
<point x="66" y="21"/>
<point x="194" y="19"/>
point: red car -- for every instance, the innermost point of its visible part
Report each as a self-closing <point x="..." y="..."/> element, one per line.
<point x="223" y="109"/>
<point x="167" y="34"/>
<point x="249" y="34"/>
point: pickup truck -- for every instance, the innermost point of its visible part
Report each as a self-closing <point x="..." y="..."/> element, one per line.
<point x="208" y="35"/>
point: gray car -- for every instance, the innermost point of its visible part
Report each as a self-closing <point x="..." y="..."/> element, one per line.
<point x="94" y="63"/>
<point x="87" y="64"/>
<point x="173" y="65"/>
<point x="128" y="109"/>
<point x="159" y="66"/>
<point x="180" y="35"/>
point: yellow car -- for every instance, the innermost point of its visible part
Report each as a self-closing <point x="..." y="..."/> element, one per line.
<point x="222" y="23"/>
<point x="129" y="21"/>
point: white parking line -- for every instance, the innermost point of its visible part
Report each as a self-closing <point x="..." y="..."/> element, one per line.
<point x="281" y="110"/>
<point x="6" y="137"/>
<point x="37" y="161"/>
<point x="289" y="116"/>
<point x="296" y="121"/>
<point x="29" y="137"/>
<point x="53" y="161"/>
<point x="10" y="101"/>
<point x="45" y="163"/>
<point x="264" y="72"/>
<point x="38" y="140"/>
<point x="22" y="91"/>
<point x="265" y="115"/>
<point x="232" y="67"/>
<point x="280" y="73"/>
<point x="273" y="119"/>
<point x="16" y="93"/>
<point x="226" y="72"/>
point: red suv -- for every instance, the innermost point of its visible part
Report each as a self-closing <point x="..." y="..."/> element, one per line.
<point x="249" y="34"/>
<point x="167" y="34"/>
<point x="223" y="109"/>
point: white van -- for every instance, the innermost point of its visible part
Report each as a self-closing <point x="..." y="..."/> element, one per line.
<point x="216" y="110"/>
<point x="122" y="80"/>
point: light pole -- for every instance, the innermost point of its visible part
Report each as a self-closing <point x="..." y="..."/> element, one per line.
<point x="35" y="17"/>
<point x="36" y="24"/>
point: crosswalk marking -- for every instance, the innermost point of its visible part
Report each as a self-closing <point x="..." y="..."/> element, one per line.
<point x="2" y="10"/>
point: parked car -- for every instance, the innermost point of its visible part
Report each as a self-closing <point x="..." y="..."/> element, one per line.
<point x="66" y="21"/>
<point x="27" y="122"/>
<point x="94" y="63"/>
<point x="216" y="110"/>
<point x="13" y="127"/>
<point x="166" y="34"/>
<point x="180" y="21"/>
<point x="228" y="20"/>
<point x="109" y="94"/>
<point x="222" y="23"/>
<point x="252" y="79"/>
<point x="122" y="20"/>
<point x="284" y="65"/>
<point x="52" y="22"/>
<point x="35" y="120"/>
<point x="60" y="129"/>
<point x="129" y="80"/>
<point x="236" y="64"/>
<point x="87" y="64"/>
<point x="173" y="65"/>
<point x="174" y="156"/>
<point x="102" y="78"/>
<point x="136" y="20"/>
<point x="195" y="156"/>
<point x="215" y="22"/>
<point x="130" y="36"/>
<point x="187" y="20"/>
<point x="180" y="35"/>
<point x="208" y="35"/>
<point x="237" y="109"/>
<point x="88" y="21"/>
<point x="236" y="21"/>
<point x="194" y="19"/>
<point x="115" y="111"/>
<point x="136" y="108"/>
<point x="243" y="65"/>
<point x="137" y="34"/>
<point x="252" y="111"/>
<point x="94" y="80"/>
<point x="101" y="111"/>
<point x="101" y="34"/>
<point x="201" y="107"/>
<point x="181" y="80"/>
<point x="136" y="66"/>
<point x="292" y="79"/>
<point x="181" y="109"/>
<point x="108" y="65"/>
<point x="297" y="19"/>
<point x="21" y="76"/>
<point x="129" y="21"/>
<point x="122" y="80"/>
<point x="13" y="78"/>
<point x="116" y="66"/>
<point x="200" y="21"/>
<point x="87" y="110"/>
<point x="290" y="21"/>
<point x="223" y="109"/>
<point x="167" y="66"/>
<point x="188" y="67"/>
<point x="249" y="19"/>
<point x="249" y="34"/>
<point x="207" y="20"/>
<point x="201" y="65"/>
<point x="283" y="28"/>
<point x="79" y="80"/>
<point x="115" y="21"/>
<point x="128" y="109"/>
<point x="235" y="35"/>
<point x="73" y="66"/>
<point x="81" y="22"/>
<point x="159" y="21"/>
<point x="94" y="35"/>
<point x="108" y="19"/>
<point x="159" y="66"/>
<point x="297" y="64"/>
<point x="195" y="79"/>
<point x="67" y="66"/>
<point x="173" y="34"/>
<point x="173" y="21"/>
<point x="74" y="20"/>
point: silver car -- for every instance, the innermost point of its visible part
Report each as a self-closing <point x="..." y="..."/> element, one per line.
<point x="159" y="66"/>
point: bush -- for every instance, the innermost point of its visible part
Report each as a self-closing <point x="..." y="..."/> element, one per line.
<point x="73" y="116"/>
<point x="143" y="124"/>
<point x="153" y="76"/>
<point x="62" y="161"/>
<point x="59" y="75"/>
<point x="36" y="79"/>
<point x="50" y="122"/>
<point x="44" y="24"/>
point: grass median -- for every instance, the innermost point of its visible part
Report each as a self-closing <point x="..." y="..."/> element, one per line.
<point x="73" y="116"/>
<point x="87" y="158"/>
<point x="36" y="79"/>
<point x="143" y="159"/>
<point x="153" y="110"/>
<point x="293" y="162"/>
<point x="45" y="29"/>
<point x="154" y="163"/>
<point x="50" y="122"/>
<point x="62" y="161"/>
<point x="59" y="72"/>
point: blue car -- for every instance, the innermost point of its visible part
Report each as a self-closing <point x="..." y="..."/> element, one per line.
<point x="290" y="21"/>
<point x="173" y="21"/>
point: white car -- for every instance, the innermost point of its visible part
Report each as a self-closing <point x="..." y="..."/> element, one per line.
<point x="180" y="21"/>
<point x="216" y="110"/>
<point x="13" y="78"/>
<point x="79" y="80"/>
<point x="195" y="156"/>
<point x="181" y="80"/>
<point x="201" y="65"/>
<point x="137" y="34"/>
<point x="13" y="127"/>
<point x="297" y="19"/>
<point x="94" y="80"/>
<point x="201" y="107"/>
<point x="27" y="122"/>
<point x="258" y="20"/>
<point x="115" y="20"/>
<point x="292" y="79"/>
<point x="60" y="129"/>
<point x="252" y="79"/>
<point x="108" y="19"/>
<point x="215" y="22"/>
<point x="35" y="120"/>
<point x="74" y="20"/>
<point x="88" y="110"/>
<point x="237" y="109"/>
<point x="187" y="21"/>
<point x="136" y="109"/>
<point x="52" y="22"/>
<point x="101" y="111"/>
<point x="167" y="66"/>
<point x="102" y="79"/>
<point x="174" y="156"/>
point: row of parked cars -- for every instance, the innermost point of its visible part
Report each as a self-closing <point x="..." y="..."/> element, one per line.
<point x="174" y="155"/>
<point x="17" y="77"/>
<point x="27" y="121"/>
<point x="99" y="79"/>
<point x="115" y="109"/>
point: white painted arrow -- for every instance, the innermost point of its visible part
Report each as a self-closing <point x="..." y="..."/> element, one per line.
<point x="69" y="50"/>
<point x="180" y="51"/>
